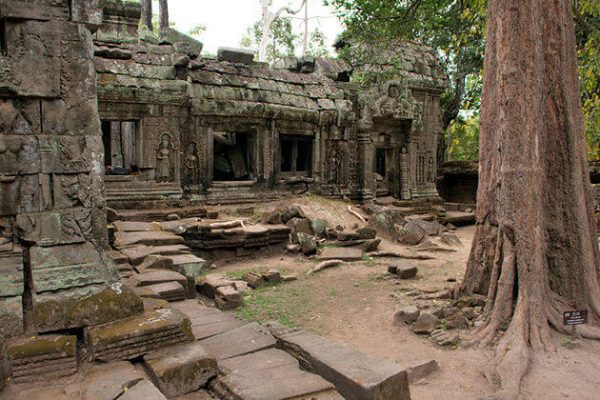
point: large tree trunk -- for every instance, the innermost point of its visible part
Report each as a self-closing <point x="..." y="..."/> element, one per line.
<point x="535" y="251"/>
<point x="147" y="14"/>
<point x="164" y="16"/>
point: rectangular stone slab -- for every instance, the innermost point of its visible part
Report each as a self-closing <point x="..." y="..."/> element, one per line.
<point x="243" y="340"/>
<point x="344" y="254"/>
<point x="136" y="336"/>
<point x="169" y="291"/>
<point x="158" y="238"/>
<point x="356" y="375"/>
<point x="178" y="370"/>
<point x="42" y="358"/>
<point x="207" y="322"/>
<point x="270" y="374"/>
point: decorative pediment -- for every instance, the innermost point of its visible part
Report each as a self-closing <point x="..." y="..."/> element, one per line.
<point x="392" y="100"/>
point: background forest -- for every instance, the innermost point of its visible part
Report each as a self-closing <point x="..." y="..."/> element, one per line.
<point x="456" y="28"/>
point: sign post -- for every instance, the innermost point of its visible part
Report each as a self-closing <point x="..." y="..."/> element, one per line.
<point x="574" y="318"/>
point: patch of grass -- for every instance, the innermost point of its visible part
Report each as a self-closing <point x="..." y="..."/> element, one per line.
<point x="369" y="261"/>
<point x="377" y="276"/>
<point x="333" y="292"/>
<point x="568" y="343"/>
<point x="287" y="305"/>
<point x="239" y="273"/>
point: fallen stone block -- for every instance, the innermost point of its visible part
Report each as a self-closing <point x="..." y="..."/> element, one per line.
<point x="228" y="298"/>
<point x="403" y="270"/>
<point x="238" y="56"/>
<point x="406" y="315"/>
<point x="209" y="284"/>
<point x="178" y="370"/>
<point x="420" y="369"/>
<point x="450" y="239"/>
<point x="246" y="339"/>
<point x="154" y="277"/>
<point x="206" y="321"/>
<point x="143" y="390"/>
<point x="158" y="238"/>
<point x="136" y="336"/>
<point x="109" y="381"/>
<point x="272" y="276"/>
<point x="254" y="280"/>
<point x="132" y="226"/>
<point x="411" y="234"/>
<point x="431" y="228"/>
<point x="356" y="375"/>
<point x="154" y="261"/>
<point x="425" y="324"/>
<point x="308" y="243"/>
<point x="344" y="254"/>
<point x="270" y="374"/>
<point x="169" y="291"/>
<point x="42" y="358"/>
<point x="443" y="338"/>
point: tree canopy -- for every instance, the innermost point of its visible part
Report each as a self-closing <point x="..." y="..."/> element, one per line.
<point x="456" y="28"/>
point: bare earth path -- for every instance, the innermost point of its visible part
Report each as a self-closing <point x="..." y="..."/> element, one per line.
<point x="355" y="304"/>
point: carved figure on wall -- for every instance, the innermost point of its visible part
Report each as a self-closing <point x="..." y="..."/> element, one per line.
<point x="75" y="190"/>
<point x="430" y="170"/>
<point x="335" y="163"/>
<point x="164" y="159"/>
<point x="29" y="193"/>
<point x="71" y="150"/>
<point x="191" y="164"/>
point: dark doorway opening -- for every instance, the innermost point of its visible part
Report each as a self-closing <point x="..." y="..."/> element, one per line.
<point x="121" y="146"/>
<point x="233" y="156"/>
<point x="380" y="166"/>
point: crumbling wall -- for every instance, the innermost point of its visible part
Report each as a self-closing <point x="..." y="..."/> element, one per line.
<point x="51" y="172"/>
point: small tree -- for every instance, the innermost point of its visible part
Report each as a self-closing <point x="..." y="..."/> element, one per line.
<point x="281" y="41"/>
<point x="316" y="44"/>
<point x="268" y="18"/>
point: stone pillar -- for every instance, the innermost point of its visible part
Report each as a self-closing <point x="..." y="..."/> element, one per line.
<point x="51" y="170"/>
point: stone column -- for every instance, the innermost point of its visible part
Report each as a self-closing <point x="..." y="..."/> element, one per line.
<point x="52" y="169"/>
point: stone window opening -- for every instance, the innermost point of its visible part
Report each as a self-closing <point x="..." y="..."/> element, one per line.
<point x="295" y="156"/>
<point x="380" y="162"/>
<point x="121" y="147"/>
<point x="234" y="156"/>
<point x="3" y="47"/>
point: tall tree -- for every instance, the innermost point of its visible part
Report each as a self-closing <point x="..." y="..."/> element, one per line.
<point x="147" y="14"/>
<point x="535" y="250"/>
<point x="164" y="16"/>
<point x="281" y="41"/>
<point x="268" y="17"/>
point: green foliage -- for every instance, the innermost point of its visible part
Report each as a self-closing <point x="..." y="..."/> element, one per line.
<point x="587" y="28"/>
<point x="457" y="30"/>
<point x="464" y="136"/>
<point x="282" y="40"/>
<point x="316" y="44"/>
<point x="197" y="30"/>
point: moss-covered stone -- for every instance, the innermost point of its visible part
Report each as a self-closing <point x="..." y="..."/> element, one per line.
<point x="43" y="345"/>
<point x="82" y="308"/>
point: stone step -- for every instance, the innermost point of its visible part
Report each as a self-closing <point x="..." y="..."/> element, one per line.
<point x="42" y="358"/>
<point x="131" y="226"/>
<point x="133" y="337"/>
<point x="156" y="276"/>
<point x="109" y="381"/>
<point x="246" y="339"/>
<point x="158" y="238"/>
<point x="356" y="375"/>
<point x="270" y="374"/>
<point x="137" y="254"/>
<point x="157" y="214"/>
<point x="206" y="321"/>
<point x="169" y="291"/>
<point x="179" y="370"/>
<point x="143" y="390"/>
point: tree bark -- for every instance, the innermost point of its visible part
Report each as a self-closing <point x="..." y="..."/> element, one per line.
<point x="535" y="251"/>
<point x="147" y="14"/>
<point x="164" y="16"/>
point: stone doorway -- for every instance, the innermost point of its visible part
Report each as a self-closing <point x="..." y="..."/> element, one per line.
<point x="234" y="156"/>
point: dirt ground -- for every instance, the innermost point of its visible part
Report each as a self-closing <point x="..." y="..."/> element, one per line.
<point x="355" y="304"/>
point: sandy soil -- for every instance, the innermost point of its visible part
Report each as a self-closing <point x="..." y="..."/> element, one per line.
<point x="355" y="304"/>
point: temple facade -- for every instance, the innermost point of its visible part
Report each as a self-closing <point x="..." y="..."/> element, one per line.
<point x="177" y="126"/>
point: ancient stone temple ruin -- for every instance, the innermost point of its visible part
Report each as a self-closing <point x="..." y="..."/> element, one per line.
<point x="177" y="125"/>
<point x="95" y="111"/>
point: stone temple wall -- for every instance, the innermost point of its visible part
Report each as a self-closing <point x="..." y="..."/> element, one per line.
<point x="51" y="172"/>
<point x="232" y="130"/>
